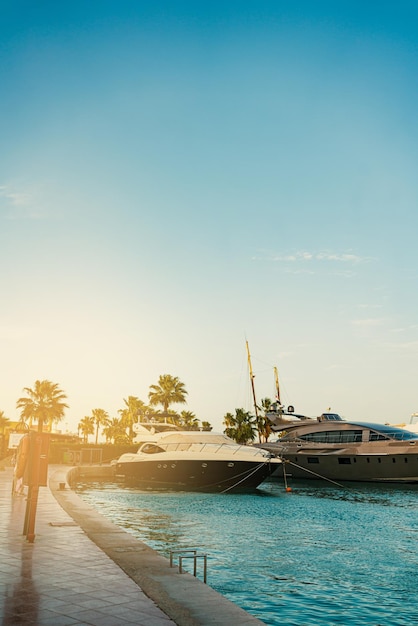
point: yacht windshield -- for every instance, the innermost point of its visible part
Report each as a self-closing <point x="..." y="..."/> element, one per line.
<point x="385" y="431"/>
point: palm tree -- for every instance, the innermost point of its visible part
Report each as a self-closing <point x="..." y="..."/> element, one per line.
<point x="206" y="426"/>
<point x="229" y="420"/>
<point x="101" y="418"/>
<point x="86" y="427"/>
<point x="44" y="405"/>
<point x="169" y="390"/>
<point x="240" y="427"/>
<point x="132" y="413"/>
<point x="189" y="421"/>
<point x="115" y="431"/>
<point x="170" y="417"/>
<point x="3" y="421"/>
<point x="264" y="428"/>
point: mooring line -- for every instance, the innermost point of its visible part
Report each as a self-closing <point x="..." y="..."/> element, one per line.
<point x="311" y="472"/>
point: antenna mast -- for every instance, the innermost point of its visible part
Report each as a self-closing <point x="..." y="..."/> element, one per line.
<point x="276" y="380"/>
<point x="253" y="388"/>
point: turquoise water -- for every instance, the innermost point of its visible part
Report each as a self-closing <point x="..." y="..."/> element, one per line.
<point x="320" y="555"/>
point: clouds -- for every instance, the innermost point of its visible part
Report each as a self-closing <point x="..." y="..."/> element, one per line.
<point x="308" y="262"/>
<point x="406" y="346"/>
<point x="379" y="330"/>
<point x="326" y="256"/>
<point x="15" y="198"/>
<point x="12" y="203"/>
<point x="369" y="322"/>
<point x="20" y="204"/>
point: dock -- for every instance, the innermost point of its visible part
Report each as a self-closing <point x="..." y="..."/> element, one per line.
<point x="82" y="569"/>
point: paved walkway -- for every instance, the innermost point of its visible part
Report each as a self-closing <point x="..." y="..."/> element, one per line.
<point x="62" y="578"/>
<point x="81" y="569"/>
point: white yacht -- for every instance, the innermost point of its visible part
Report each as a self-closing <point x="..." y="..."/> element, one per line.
<point x="195" y="461"/>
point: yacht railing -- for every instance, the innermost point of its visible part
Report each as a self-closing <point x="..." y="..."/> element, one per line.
<point x="213" y="447"/>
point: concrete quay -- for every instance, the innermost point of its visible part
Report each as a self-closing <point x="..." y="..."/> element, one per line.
<point x="83" y="570"/>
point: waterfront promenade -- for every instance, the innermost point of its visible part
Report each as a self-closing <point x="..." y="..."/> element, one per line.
<point x="81" y="569"/>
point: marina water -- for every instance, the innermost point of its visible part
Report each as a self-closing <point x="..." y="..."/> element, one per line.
<point x="320" y="555"/>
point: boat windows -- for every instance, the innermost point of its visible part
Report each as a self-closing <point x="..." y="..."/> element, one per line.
<point x="377" y="437"/>
<point x="344" y="460"/>
<point x="330" y="417"/>
<point x="151" y="448"/>
<point x="313" y="459"/>
<point x="387" y="432"/>
<point x="334" y="436"/>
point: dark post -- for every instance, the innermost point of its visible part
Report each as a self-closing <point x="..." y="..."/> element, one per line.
<point x="36" y="475"/>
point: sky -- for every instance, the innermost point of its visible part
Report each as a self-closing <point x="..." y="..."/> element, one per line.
<point x="178" y="178"/>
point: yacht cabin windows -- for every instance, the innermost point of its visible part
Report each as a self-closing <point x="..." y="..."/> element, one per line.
<point x="376" y="436"/>
<point x="333" y="436"/>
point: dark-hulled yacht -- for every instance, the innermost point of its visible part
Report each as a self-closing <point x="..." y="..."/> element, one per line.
<point x="195" y="461"/>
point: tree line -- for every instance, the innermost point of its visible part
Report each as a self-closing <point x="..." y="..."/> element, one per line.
<point x="45" y="403"/>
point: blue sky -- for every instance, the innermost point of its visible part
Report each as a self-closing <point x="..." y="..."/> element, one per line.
<point x="179" y="177"/>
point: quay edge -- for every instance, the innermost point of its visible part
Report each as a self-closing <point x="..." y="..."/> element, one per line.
<point x="182" y="597"/>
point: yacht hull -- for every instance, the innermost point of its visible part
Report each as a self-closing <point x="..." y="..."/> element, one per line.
<point x="340" y="450"/>
<point x="372" y="467"/>
<point x="195" y="475"/>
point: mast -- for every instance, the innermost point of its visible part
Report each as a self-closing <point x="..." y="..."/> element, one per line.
<point x="276" y="381"/>
<point x="253" y="389"/>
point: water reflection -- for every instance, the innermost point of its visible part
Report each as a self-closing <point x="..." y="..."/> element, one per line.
<point x="382" y="494"/>
<point x="22" y="604"/>
<point x="21" y="600"/>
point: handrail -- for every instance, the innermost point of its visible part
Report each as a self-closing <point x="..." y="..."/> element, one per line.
<point x="190" y="554"/>
<point x="215" y="447"/>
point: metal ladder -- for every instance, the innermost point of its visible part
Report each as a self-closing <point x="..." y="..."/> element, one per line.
<point x="190" y="554"/>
